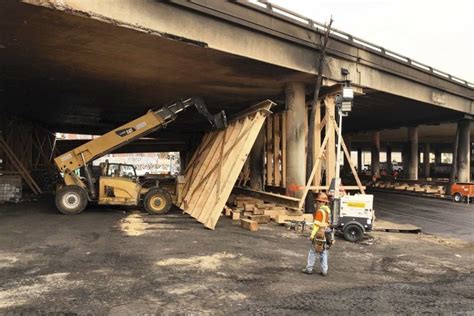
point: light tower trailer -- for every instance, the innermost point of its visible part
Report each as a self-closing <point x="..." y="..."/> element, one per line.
<point x="357" y="216"/>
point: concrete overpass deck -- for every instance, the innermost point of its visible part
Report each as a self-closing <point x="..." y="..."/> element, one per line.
<point x="85" y="66"/>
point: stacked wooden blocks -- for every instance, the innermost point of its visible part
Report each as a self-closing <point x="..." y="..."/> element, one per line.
<point x="252" y="212"/>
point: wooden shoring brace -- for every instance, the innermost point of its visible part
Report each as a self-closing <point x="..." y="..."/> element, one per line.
<point x="221" y="161"/>
<point x="225" y="155"/>
<point x="19" y="167"/>
<point x="269" y="151"/>
<point x="276" y="150"/>
<point x="201" y="153"/>
<point x="349" y="160"/>
<point x="283" y="149"/>
<point x="313" y="172"/>
<point x="41" y="147"/>
<point x="331" y="150"/>
<point x="244" y="174"/>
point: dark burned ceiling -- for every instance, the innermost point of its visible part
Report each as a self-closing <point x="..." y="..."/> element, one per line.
<point x="75" y="74"/>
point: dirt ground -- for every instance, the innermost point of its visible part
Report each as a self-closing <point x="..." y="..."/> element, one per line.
<point x="107" y="261"/>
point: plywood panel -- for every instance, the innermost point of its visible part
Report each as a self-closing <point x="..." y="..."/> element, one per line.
<point x="217" y="163"/>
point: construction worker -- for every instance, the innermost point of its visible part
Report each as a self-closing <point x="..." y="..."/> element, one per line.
<point x="319" y="244"/>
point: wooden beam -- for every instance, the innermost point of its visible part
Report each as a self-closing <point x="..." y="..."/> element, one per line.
<point x="283" y="149"/>
<point x="317" y="141"/>
<point x="348" y="156"/>
<point x="345" y="187"/>
<point x="315" y="167"/>
<point x="331" y="148"/>
<point x="276" y="150"/>
<point x="278" y="199"/>
<point x="269" y="151"/>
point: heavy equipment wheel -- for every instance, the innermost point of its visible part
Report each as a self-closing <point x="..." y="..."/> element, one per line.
<point x="71" y="199"/>
<point x="457" y="197"/>
<point x="157" y="201"/>
<point x="353" y="233"/>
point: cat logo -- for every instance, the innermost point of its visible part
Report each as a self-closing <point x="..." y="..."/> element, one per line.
<point x="126" y="131"/>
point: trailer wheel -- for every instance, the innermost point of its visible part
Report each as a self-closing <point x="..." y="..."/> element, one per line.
<point x="353" y="233"/>
<point x="157" y="201"/>
<point x="458" y="197"/>
<point x="71" y="199"/>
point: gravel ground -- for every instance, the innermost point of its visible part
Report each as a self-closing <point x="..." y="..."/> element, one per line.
<point x="111" y="261"/>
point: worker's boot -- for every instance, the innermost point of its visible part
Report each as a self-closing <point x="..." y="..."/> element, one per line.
<point x="306" y="271"/>
<point x="323" y="273"/>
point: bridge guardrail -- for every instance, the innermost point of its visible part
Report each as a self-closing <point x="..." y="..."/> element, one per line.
<point x="299" y="19"/>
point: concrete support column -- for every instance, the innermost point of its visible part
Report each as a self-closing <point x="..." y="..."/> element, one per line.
<point x="464" y="151"/>
<point x="414" y="154"/>
<point x="359" y="160"/>
<point x="388" y="150"/>
<point x="295" y="139"/>
<point x="375" y="158"/>
<point x="426" y="160"/>
<point x="437" y="153"/>
<point x="257" y="155"/>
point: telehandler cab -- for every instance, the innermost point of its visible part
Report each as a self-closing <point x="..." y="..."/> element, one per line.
<point x="118" y="184"/>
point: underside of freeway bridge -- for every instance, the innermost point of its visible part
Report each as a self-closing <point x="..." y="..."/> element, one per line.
<point x="76" y="72"/>
<point x="88" y="66"/>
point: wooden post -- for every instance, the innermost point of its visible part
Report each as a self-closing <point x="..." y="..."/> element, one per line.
<point x="283" y="149"/>
<point x="268" y="149"/>
<point x="276" y="150"/>
<point x="331" y="147"/>
<point x="317" y="142"/>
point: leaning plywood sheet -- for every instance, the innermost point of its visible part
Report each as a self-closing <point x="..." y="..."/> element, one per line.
<point x="217" y="162"/>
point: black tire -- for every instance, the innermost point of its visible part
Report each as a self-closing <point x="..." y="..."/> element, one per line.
<point x="71" y="199"/>
<point x="157" y="201"/>
<point x="353" y="233"/>
<point x="457" y="197"/>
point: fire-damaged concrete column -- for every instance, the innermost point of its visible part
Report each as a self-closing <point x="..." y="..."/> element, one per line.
<point x="295" y="139"/>
<point x="256" y="162"/>
<point x="413" y="157"/>
<point x="426" y="160"/>
<point x="388" y="151"/>
<point x="437" y="153"/>
<point x="464" y="151"/>
<point x="375" y="158"/>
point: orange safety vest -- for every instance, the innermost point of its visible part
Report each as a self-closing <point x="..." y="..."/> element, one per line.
<point x="321" y="219"/>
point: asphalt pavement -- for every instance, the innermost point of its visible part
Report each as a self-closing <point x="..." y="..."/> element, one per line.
<point x="434" y="216"/>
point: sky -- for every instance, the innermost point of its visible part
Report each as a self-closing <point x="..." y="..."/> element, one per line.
<point x="437" y="33"/>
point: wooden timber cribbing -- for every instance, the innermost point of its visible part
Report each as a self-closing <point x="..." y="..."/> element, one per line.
<point x="217" y="163"/>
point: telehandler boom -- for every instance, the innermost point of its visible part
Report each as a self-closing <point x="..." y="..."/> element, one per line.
<point x="120" y="189"/>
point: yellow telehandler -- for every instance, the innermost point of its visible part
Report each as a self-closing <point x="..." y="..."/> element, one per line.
<point x="117" y="184"/>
